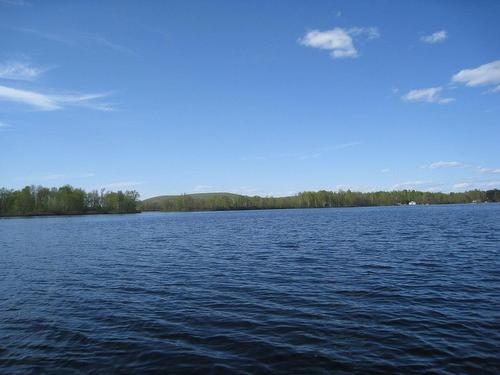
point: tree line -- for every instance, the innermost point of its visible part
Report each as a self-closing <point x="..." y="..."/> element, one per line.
<point x="39" y="200"/>
<point x="309" y="199"/>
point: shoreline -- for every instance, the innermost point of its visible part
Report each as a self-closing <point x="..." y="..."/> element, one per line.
<point x="52" y="214"/>
<point x="320" y="208"/>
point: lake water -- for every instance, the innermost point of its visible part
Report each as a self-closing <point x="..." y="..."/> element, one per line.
<point x="366" y="290"/>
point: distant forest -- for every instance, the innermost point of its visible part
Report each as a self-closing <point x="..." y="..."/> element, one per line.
<point x="66" y="200"/>
<point x="320" y="199"/>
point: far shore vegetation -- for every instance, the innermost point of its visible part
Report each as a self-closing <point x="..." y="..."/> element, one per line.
<point x="67" y="200"/>
<point x="319" y="199"/>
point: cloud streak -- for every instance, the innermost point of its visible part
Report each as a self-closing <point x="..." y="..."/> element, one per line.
<point x="15" y="2"/>
<point x="489" y="170"/>
<point x="427" y="95"/>
<point x="83" y="40"/>
<point x="58" y="176"/>
<point x="410" y="184"/>
<point x="46" y="102"/>
<point x="339" y="41"/>
<point x="445" y="164"/>
<point x="437" y="37"/>
<point x="15" y="70"/>
<point x="122" y="184"/>
<point x="312" y="154"/>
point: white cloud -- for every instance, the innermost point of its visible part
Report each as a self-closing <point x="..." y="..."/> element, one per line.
<point x="4" y="125"/>
<point x="487" y="74"/>
<point x="338" y="40"/>
<point x="31" y="98"/>
<point x="428" y="95"/>
<point x="84" y="100"/>
<point x="462" y="185"/>
<point x="46" y="102"/>
<point x="16" y="70"/>
<point x="489" y="170"/>
<point x="437" y="37"/>
<point x="385" y="170"/>
<point x="445" y="164"/>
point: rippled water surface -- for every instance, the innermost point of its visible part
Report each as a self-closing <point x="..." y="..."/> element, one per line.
<point x="366" y="290"/>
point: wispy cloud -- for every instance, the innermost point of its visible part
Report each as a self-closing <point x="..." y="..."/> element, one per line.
<point x="46" y="35"/>
<point x="4" y="125"/>
<point x="369" y="32"/>
<point x="77" y="39"/>
<point x="489" y="184"/>
<point x="437" y="37"/>
<point x="495" y="89"/>
<point x="462" y="185"/>
<point x="339" y="41"/>
<point x="385" y="170"/>
<point x="15" y="2"/>
<point x="445" y="164"/>
<point x="203" y="188"/>
<point x="250" y="191"/>
<point x="15" y="70"/>
<point x="484" y="75"/>
<point x="470" y="184"/>
<point x="428" y="95"/>
<point x="343" y="146"/>
<point x="410" y="184"/>
<point x="56" y="176"/>
<point x="102" y="41"/>
<point x="457" y="164"/>
<point x="489" y="170"/>
<point x="31" y="98"/>
<point x="50" y="102"/>
<point x="122" y="184"/>
<point x="304" y="155"/>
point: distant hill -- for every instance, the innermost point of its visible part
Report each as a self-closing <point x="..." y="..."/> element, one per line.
<point x="162" y="201"/>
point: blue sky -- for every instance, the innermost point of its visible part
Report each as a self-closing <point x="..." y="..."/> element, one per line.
<point x="252" y="97"/>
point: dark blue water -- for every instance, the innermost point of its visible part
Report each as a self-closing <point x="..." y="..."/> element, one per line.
<point x="363" y="290"/>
